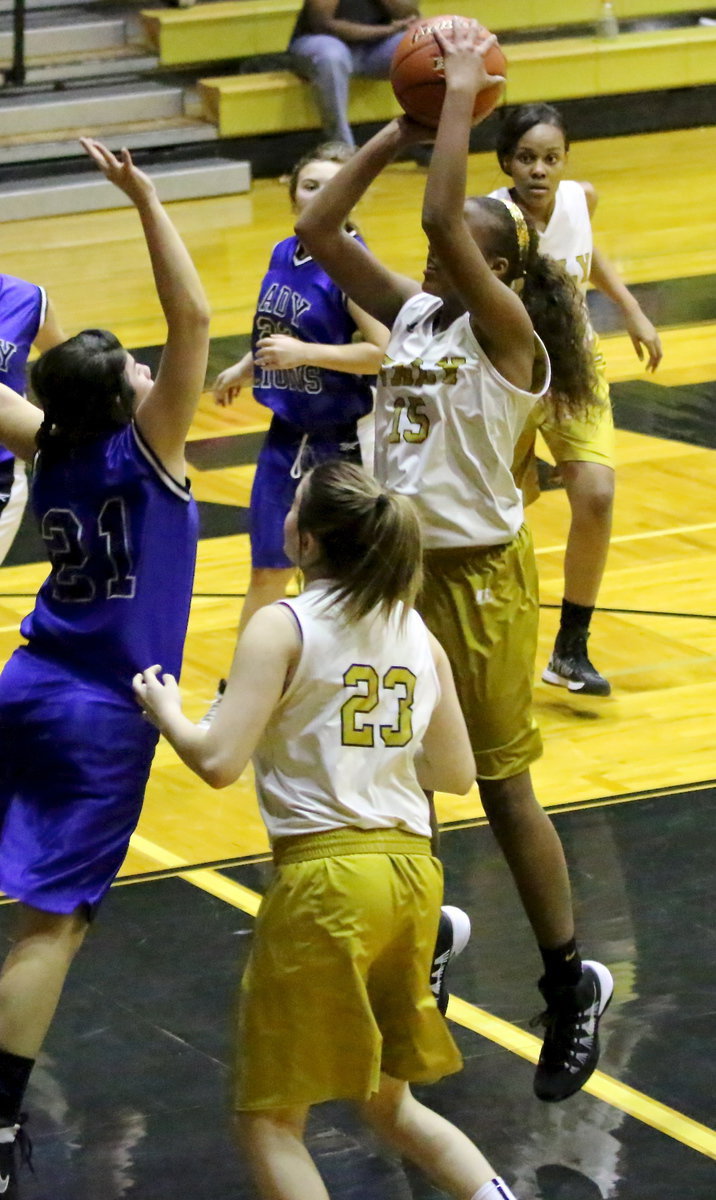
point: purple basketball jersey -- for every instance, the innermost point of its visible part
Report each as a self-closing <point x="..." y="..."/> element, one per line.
<point x="298" y="298"/>
<point x="121" y="536"/>
<point x="22" y="312"/>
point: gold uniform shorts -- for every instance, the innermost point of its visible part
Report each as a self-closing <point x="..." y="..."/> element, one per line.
<point x="570" y="439"/>
<point x="337" y="988"/>
<point x="482" y="604"/>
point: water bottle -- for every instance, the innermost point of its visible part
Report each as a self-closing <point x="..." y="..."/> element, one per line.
<point x="607" y="25"/>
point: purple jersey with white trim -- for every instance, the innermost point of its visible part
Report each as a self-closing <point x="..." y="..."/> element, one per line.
<point x="121" y="536"/>
<point x="22" y="312"/>
<point x="297" y="298"/>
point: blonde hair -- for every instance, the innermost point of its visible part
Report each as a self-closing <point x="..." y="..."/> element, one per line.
<point x="370" y="540"/>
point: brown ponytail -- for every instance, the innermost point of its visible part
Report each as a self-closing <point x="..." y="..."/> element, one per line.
<point x="370" y="539"/>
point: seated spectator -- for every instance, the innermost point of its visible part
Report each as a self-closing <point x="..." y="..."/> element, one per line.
<point x="334" y="39"/>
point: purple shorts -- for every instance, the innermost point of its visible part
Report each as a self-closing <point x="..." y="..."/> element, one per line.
<point x="74" y="763"/>
<point x="275" y="487"/>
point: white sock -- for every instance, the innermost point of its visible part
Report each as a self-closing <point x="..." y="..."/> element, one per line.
<point x="496" y="1189"/>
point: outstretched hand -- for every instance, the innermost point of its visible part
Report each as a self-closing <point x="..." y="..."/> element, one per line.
<point x="644" y="338"/>
<point x="464" y="52"/>
<point x="120" y="170"/>
<point x="158" y="699"/>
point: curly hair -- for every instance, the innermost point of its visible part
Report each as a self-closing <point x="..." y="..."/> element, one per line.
<point x="554" y="303"/>
<point x="83" y="390"/>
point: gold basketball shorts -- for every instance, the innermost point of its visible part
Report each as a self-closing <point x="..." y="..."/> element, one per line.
<point x="337" y="988"/>
<point x="570" y="439"/>
<point x="482" y="604"/>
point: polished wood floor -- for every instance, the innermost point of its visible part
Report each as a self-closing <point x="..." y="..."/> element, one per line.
<point x="656" y="635"/>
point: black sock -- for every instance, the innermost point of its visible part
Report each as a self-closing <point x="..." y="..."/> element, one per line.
<point x="14" y="1074"/>
<point x="562" y="966"/>
<point x="575" y="618"/>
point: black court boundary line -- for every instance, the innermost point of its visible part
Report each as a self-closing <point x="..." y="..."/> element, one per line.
<point x="646" y="612"/>
<point x="658" y="793"/>
<point x="445" y="827"/>
<point x="632" y="612"/>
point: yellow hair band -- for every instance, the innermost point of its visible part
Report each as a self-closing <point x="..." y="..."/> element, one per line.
<point x="522" y="230"/>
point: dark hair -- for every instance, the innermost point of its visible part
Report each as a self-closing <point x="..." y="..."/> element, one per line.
<point x="83" y="391"/>
<point x="370" y="539"/>
<point x="554" y="303"/>
<point x="516" y="122"/>
<point x="335" y="152"/>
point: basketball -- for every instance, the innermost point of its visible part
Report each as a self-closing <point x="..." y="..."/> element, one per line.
<point x="418" y="79"/>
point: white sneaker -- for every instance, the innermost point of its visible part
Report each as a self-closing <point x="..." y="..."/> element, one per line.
<point x="213" y="708"/>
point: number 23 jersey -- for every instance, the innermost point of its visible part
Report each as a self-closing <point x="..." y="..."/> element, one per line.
<point x="340" y="746"/>
<point x="120" y="533"/>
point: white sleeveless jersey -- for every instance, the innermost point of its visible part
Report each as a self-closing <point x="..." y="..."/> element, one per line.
<point x="339" y="749"/>
<point x="568" y="235"/>
<point x="446" y="427"/>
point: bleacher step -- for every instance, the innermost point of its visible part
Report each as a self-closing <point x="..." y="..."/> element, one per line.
<point x="137" y="135"/>
<point x="65" y="37"/>
<point x="87" y="107"/>
<point x="90" y="192"/>
<point x="124" y="60"/>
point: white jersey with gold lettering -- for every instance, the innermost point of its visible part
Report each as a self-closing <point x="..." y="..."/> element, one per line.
<point x="339" y="749"/>
<point x="446" y="427"/>
<point x="568" y="235"/>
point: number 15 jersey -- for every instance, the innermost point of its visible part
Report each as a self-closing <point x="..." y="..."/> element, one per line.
<point x="446" y="424"/>
<point x="339" y="749"/>
<point x="121" y="536"/>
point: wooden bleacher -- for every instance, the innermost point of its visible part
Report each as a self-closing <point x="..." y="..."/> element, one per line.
<point x="555" y="69"/>
<point x="241" y="28"/>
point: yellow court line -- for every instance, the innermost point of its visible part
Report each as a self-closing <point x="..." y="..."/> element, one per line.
<point x="204" y="877"/>
<point x="650" y="1112"/>
<point x="639" y="537"/>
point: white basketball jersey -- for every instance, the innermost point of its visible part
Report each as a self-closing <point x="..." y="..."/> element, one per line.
<point x="339" y="749"/>
<point x="446" y="427"/>
<point x="568" y="235"/>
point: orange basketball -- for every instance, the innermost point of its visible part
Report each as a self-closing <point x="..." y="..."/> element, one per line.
<point x="417" y="75"/>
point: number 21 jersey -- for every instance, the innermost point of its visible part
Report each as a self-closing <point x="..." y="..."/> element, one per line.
<point x="121" y="536"/>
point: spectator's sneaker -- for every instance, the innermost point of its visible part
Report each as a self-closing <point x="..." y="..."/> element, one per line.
<point x="570" y="1050"/>
<point x="570" y="667"/>
<point x="15" y="1147"/>
<point x="453" y="936"/>
<point x="211" y="711"/>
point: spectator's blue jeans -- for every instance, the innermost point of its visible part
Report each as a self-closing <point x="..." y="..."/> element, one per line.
<point x="329" y="63"/>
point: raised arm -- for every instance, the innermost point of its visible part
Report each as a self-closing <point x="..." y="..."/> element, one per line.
<point x="321" y="228"/>
<point x="166" y="412"/>
<point x="498" y="315"/>
<point x="50" y="332"/>
<point x="267" y="649"/>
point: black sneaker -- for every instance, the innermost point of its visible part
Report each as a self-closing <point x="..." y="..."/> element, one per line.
<point x="570" y="1050"/>
<point x="15" y="1147"/>
<point x="570" y="667"/>
<point x="453" y="936"/>
<point x="211" y="711"/>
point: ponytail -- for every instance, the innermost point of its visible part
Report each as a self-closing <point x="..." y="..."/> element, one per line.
<point x="370" y="540"/>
